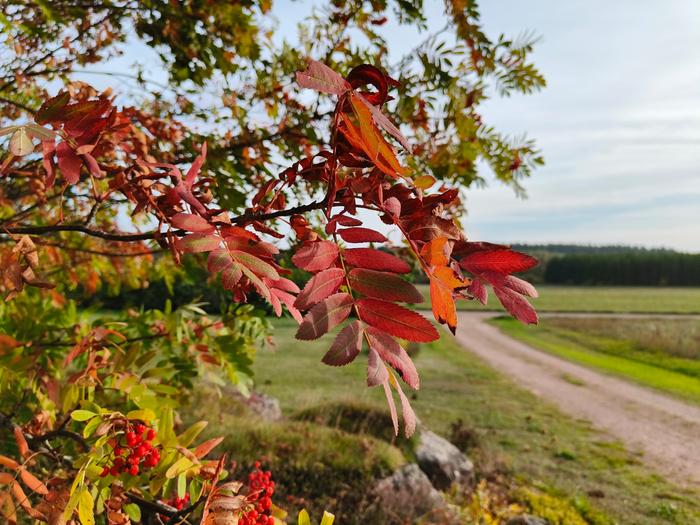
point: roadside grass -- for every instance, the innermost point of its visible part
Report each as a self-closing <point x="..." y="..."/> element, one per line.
<point x="601" y="299"/>
<point x="677" y="376"/>
<point x="508" y="432"/>
<point x="653" y="335"/>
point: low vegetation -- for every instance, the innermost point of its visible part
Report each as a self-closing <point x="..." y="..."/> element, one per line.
<point x="528" y="455"/>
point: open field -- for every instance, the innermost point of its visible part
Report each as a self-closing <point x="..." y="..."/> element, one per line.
<point x="602" y="299"/>
<point x="506" y="430"/>
<point x="658" y="353"/>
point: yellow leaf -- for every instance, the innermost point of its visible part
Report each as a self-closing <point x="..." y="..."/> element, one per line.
<point x="180" y="466"/>
<point x="327" y="519"/>
<point x="144" y="414"/>
<point x="304" y="518"/>
<point x="86" y="508"/>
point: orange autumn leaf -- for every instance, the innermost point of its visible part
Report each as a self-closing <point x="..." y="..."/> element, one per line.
<point x="444" y="281"/>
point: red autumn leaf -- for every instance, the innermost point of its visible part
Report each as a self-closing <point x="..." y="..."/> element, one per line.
<point x="51" y="109"/>
<point x="206" y="447"/>
<point x="376" y="370"/>
<point x="191" y="223"/>
<point x="316" y="255"/>
<point x="320" y="77"/>
<point x="361" y="235"/>
<point x="198" y="242"/>
<point x="325" y="316"/>
<point x="478" y="290"/>
<point x="392" y="406"/>
<point x="68" y="162"/>
<point x="394" y="355"/>
<point x="375" y="260"/>
<point x="501" y="261"/>
<point x="396" y="320"/>
<point x="516" y="304"/>
<point x="219" y="260"/>
<point x="255" y="264"/>
<point x="409" y="416"/>
<point x="230" y="276"/>
<point x="319" y="287"/>
<point x="346" y="347"/>
<point x="383" y="285"/>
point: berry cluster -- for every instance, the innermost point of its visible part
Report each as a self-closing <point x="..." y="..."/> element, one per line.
<point x="260" y="490"/>
<point x="134" y="452"/>
<point x="179" y="503"/>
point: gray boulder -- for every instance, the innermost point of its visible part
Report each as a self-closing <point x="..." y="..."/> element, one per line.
<point x="267" y="407"/>
<point x="527" y="519"/>
<point x="444" y="463"/>
<point x="406" y="495"/>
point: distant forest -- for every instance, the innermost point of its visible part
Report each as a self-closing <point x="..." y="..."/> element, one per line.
<point x="612" y="265"/>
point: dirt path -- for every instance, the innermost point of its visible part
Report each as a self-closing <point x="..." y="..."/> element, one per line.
<point x="665" y="430"/>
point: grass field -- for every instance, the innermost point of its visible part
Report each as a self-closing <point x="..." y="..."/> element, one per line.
<point x="506" y="430"/>
<point x="602" y="299"/>
<point x="662" y="354"/>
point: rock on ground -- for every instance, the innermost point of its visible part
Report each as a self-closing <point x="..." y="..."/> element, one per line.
<point x="407" y="494"/>
<point x="443" y="463"/>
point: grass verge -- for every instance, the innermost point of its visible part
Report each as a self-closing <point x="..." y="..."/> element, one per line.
<point x="679" y="377"/>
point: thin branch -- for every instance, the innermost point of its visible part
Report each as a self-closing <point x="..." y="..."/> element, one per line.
<point x="132" y="237"/>
<point x="61" y="432"/>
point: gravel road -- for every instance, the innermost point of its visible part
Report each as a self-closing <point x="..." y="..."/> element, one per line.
<point x="665" y="430"/>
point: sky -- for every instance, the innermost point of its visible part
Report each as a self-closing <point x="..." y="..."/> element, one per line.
<point x="618" y="123"/>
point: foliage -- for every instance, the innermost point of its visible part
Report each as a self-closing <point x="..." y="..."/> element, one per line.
<point x="119" y="193"/>
<point x="645" y="268"/>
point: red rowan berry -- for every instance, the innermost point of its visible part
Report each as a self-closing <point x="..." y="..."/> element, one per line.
<point x="134" y="470"/>
<point x="105" y="472"/>
<point x="151" y="434"/>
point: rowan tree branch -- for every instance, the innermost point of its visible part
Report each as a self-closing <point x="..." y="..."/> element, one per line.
<point x="133" y="237"/>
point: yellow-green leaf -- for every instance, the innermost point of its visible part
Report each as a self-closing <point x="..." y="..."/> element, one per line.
<point x="188" y="436"/>
<point x="82" y="415"/>
<point x="86" y="506"/>
<point x="181" y="485"/>
<point x="304" y="518"/>
<point x="133" y="511"/>
<point x="180" y="466"/>
<point x="143" y="415"/>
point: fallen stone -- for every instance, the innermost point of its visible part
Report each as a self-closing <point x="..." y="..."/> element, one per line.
<point x="407" y="495"/>
<point x="443" y="463"/>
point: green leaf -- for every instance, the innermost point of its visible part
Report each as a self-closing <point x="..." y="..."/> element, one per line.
<point x="133" y="511"/>
<point x="86" y="507"/>
<point x="181" y="485"/>
<point x="166" y="435"/>
<point x="82" y="415"/>
<point x="304" y="518"/>
<point x="188" y="436"/>
<point x="143" y="415"/>
<point x="91" y="426"/>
